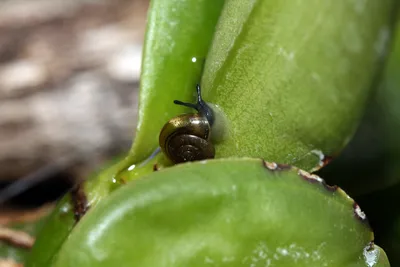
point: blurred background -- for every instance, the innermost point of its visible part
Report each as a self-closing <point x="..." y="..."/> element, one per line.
<point x="69" y="76"/>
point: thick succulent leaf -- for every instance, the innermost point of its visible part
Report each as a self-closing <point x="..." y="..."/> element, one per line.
<point x="389" y="98"/>
<point x="74" y="205"/>
<point x="370" y="165"/>
<point x="69" y="210"/>
<point x="67" y="213"/>
<point x="292" y="77"/>
<point x="178" y="33"/>
<point x="371" y="162"/>
<point x="232" y="212"/>
<point x="52" y="235"/>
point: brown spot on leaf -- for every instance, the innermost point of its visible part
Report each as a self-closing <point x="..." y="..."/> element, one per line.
<point x="283" y="167"/>
<point x="79" y="201"/>
<point x="326" y="160"/>
<point x="328" y="187"/>
<point x="370" y="246"/>
<point x="155" y="167"/>
<point x="122" y="180"/>
<point x="360" y="215"/>
<point x="323" y="160"/>
<point x="272" y="166"/>
<point x="312" y="178"/>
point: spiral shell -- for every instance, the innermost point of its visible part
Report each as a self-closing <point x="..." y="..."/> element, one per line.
<point x="186" y="138"/>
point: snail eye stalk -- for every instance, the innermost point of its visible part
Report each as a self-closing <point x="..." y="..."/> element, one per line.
<point x="189" y="105"/>
<point x="201" y="106"/>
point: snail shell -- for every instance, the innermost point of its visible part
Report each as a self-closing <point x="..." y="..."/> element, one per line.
<point x="186" y="138"/>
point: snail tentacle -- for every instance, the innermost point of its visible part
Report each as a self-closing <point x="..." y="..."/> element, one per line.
<point x="201" y="106"/>
<point x="189" y="105"/>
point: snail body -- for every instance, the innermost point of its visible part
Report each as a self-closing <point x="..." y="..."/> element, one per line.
<point x="187" y="137"/>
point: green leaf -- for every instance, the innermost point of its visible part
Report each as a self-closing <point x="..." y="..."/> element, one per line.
<point x="56" y="229"/>
<point x="178" y="33"/>
<point x="232" y="212"/>
<point x="371" y="162"/>
<point x="293" y="77"/>
<point x="87" y="195"/>
<point x="63" y="219"/>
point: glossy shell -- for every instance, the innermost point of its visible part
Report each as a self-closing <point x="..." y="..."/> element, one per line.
<point x="186" y="138"/>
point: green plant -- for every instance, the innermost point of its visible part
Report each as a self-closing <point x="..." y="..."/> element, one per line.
<point x="288" y="82"/>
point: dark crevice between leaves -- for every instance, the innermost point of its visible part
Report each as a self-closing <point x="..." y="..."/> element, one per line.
<point x="79" y="201"/>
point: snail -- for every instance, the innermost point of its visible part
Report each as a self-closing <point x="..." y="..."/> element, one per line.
<point x="186" y="137"/>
